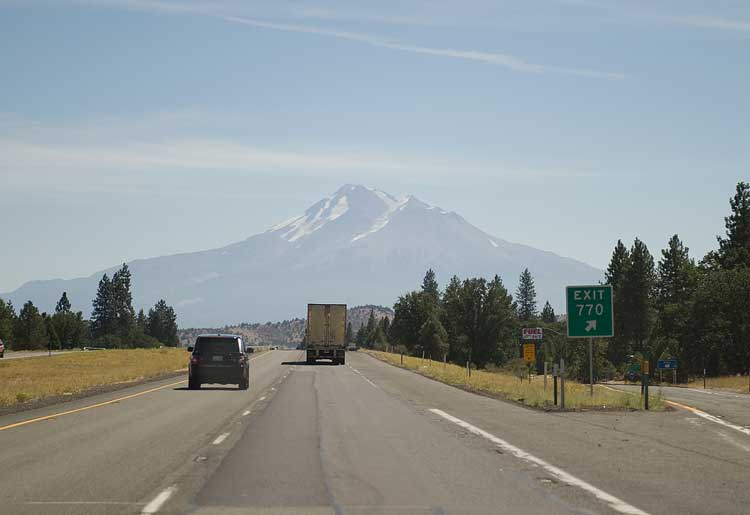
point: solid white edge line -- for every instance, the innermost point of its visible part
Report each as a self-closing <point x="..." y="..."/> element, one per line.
<point x="158" y="501"/>
<point x="245" y="413"/>
<point x="220" y="438"/>
<point x="569" y="479"/>
<point x="696" y="411"/>
<point x="708" y="416"/>
<point x="360" y="374"/>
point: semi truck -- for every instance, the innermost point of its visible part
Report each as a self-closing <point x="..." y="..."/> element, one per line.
<point x="325" y="337"/>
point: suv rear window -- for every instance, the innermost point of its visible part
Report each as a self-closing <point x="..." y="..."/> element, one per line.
<point x="212" y="346"/>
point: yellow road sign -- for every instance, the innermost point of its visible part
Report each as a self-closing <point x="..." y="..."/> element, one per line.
<point x="529" y="352"/>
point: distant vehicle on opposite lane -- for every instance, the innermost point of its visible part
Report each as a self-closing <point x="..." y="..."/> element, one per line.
<point x="2" y="349"/>
<point x="218" y="358"/>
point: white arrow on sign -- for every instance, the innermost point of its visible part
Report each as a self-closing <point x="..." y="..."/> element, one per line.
<point x="590" y="325"/>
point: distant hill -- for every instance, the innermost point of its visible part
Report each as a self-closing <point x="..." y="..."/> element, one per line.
<point x="359" y="245"/>
<point x="288" y="332"/>
<point x="358" y="315"/>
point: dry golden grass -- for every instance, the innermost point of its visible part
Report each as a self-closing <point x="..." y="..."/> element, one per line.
<point x="507" y="386"/>
<point x="739" y="384"/>
<point x="23" y="380"/>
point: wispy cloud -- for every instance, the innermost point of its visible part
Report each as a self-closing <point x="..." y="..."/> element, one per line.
<point x="712" y="22"/>
<point x="508" y="61"/>
<point x="505" y="60"/>
<point x="40" y="158"/>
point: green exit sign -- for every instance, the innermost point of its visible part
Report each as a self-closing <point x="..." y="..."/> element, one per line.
<point x="590" y="313"/>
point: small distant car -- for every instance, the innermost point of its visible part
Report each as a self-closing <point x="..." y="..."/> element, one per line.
<point x="2" y="349"/>
<point x="218" y="358"/>
<point x="352" y="347"/>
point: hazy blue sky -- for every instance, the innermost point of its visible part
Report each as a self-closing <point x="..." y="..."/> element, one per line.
<point x="136" y="128"/>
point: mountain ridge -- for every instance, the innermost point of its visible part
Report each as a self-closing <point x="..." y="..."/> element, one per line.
<point x="359" y="246"/>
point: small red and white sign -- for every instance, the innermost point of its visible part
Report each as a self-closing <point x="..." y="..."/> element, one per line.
<point x="531" y="333"/>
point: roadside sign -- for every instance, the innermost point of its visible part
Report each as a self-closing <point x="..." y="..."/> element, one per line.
<point x="529" y="352"/>
<point x="590" y="313"/>
<point x="532" y="333"/>
<point x="666" y="364"/>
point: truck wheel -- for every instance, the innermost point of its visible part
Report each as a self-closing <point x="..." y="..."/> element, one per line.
<point x="244" y="384"/>
<point x="342" y="361"/>
<point x="193" y="385"/>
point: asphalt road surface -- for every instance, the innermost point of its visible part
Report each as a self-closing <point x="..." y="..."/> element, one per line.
<point x="733" y="408"/>
<point x="365" y="438"/>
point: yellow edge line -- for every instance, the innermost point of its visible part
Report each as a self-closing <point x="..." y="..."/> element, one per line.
<point x="683" y="406"/>
<point x="100" y="404"/>
<point x="92" y="406"/>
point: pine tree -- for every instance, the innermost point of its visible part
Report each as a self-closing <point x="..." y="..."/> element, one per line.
<point x="349" y="333"/>
<point x="385" y="325"/>
<point x="457" y="350"/>
<point x="30" y="331"/>
<point x="619" y="345"/>
<point x="500" y="324"/>
<point x="52" y="337"/>
<point x="63" y="305"/>
<point x="371" y="323"/>
<point x="361" y="338"/>
<point x="675" y="287"/>
<point x="673" y="273"/>
<point x="639" y="291"/>
<point x="7" y="320"/>
<point x="734" y="250"/>
<point x="407" y="320"/>
<point x="526" y="297"/>
<point x="123" y="302"/>
<point x="141" y="322"/>
<point x="430" y="287"/>
<point x="103" y="315"/>
<point x="433" y="339"/>
<point x="162" y="324"/>
<point x="548" y="314"/>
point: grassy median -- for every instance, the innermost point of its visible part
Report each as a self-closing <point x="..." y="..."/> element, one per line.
<point x="30" y="379"/>
<point x="509" y="387"/>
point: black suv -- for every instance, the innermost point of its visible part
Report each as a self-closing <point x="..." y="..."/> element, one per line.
<point x="219" y="358"/>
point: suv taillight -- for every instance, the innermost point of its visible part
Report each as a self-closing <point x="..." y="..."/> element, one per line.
<point x="194" y="360"/>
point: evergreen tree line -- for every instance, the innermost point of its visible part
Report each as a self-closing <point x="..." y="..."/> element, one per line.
<point x="113" y="324"/>
<point x="698" y="313"/>
<point x="473" y="320"/>
<point x="372" y="335"/>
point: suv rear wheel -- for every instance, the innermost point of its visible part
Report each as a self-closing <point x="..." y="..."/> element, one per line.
<point x="193" y="385"/>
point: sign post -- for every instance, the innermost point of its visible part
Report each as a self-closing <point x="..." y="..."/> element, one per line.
<point x="562" y="383"/>
<point x="590" y="315"/>
<point x="667" y="364"/>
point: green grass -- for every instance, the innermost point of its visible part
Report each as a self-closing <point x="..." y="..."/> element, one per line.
<point x="24" y="380"/>
<point x="509" y="387"/>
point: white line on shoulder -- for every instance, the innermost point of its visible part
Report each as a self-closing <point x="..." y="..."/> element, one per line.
<point x="614" y="502"/>
<point x="158" y="501"/>
<point x="220" y="438"/>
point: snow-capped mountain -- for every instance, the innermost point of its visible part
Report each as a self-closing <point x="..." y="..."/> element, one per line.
<point x="360" y="246"/>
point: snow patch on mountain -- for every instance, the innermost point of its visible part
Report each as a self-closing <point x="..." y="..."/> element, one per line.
<point x="380" y="222"/>
<point x="341" y="207"/>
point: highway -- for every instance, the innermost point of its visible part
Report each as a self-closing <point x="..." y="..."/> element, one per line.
<point x="730" y="407"/>
<point x="365" y="438"/>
